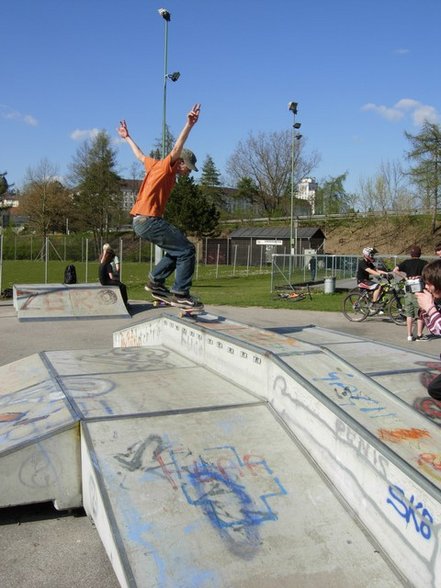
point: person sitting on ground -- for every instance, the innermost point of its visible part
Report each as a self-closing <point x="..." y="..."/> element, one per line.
<point x="429" y="301"/>
<point x="411" y="269"/>
<point x="114" y="262"/>
<point x="106" y="276"/>
<point x="366" y="269"/>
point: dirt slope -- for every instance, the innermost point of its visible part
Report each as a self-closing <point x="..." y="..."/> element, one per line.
<point x="388" y="235"/>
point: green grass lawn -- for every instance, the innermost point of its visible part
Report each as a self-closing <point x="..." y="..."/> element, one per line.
<point x="238" y="290"/>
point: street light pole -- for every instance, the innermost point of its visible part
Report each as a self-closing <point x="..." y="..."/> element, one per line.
<point x="167" y="17"/>
<point x="292" y="106"/>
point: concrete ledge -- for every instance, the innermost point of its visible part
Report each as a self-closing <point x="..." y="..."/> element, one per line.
<point x="62" y="301"/>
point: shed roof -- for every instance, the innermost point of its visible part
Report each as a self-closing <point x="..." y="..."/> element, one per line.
<point x="277" y="233"/>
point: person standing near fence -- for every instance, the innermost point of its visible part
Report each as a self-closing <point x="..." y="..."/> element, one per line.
<point x="148" y="210"/>
<point x="313" y="267"/>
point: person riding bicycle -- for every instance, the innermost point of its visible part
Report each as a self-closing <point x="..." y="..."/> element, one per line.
<point x="366" y="269"/>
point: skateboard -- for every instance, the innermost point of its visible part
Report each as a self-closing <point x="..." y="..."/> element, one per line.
<point x="184" y="310"/>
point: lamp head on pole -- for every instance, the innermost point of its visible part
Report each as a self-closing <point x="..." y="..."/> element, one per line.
<point x="292" y="106"/>
<point x="166" y="15"/>
<point x="174" y="77"/>
<point x="298" y="136"/>
<point x="297" y="125"/>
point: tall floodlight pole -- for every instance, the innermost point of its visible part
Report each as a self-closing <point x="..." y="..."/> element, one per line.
<point x="292" y="106"/>
<point x="167" y="17"/>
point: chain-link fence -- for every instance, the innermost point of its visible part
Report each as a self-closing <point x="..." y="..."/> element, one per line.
<point x="290" y="270"/>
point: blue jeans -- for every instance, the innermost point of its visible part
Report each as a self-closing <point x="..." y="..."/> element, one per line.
<point x="180" y="253"/>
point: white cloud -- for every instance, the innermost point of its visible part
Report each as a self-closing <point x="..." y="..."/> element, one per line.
<point x="384" y="111"/>
<point x="30" y="120"/>
<point x="425" y="113"/>
<point x="81" y="134"/>
<point x="9" y="113"/>
<point x="402" y="51"/>
<point x="419" y="112"/>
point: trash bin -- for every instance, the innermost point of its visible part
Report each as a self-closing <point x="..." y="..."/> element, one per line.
<point x="330" y="285"/>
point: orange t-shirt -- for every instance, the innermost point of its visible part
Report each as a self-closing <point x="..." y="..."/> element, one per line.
<point x="156" y="187"/>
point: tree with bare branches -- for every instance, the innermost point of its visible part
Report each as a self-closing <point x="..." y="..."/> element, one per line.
<point x="44" y="199"/>
<point x="265" y="159"/>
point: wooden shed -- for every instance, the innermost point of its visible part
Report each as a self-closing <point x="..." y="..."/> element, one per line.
<point x="254" y="245"/>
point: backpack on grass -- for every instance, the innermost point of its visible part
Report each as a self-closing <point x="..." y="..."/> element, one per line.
<point x="70" y="275"/>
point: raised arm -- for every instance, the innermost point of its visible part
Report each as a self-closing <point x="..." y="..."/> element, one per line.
<point x="192" y="119"/>
<point x="123" y="132"/>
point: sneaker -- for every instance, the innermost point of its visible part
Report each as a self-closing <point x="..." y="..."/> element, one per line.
<point x="410" y="338"/>
<point x="186" y="301"/>
<point x="156" y="288"/>
<point x="422" y="338"/>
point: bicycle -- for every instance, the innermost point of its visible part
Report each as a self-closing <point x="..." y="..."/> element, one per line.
<point x="358" y="305"/>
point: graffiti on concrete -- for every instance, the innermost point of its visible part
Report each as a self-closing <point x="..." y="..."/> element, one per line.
<point x="430" y="464"/>
<point x="412" y="511"/>
<point x="32" y="412"/>
<point x="234" y="493"/>
<point x="349" y="395"/>
<point x="398" y="435"/>
<point x="429" y="407"/>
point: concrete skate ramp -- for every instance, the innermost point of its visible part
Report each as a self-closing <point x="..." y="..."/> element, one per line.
<point x="73" y="301"/>
<point x="219" y="498"/>
<point x="211" y="453"/>
<point x="379" y="453"/>
<point x="39" y="453"/>
<point x="404" y="372"/>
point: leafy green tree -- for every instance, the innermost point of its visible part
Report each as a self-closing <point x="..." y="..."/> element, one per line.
<point x="425" y="152"/>
<point x="210" y="183"/>
<point x="44" y="200"/>
<point x="210" y="175"/>
<point x="3" y="184"/>
<point x="189" y="210"/>
<point x="331" y="196"/>
<point x="98" y="197"/>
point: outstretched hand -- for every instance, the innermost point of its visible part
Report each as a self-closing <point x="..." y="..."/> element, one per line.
<point x="123" y="131"/>
<point x="193" y="115"/>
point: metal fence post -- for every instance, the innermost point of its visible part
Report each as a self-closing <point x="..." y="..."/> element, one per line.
<point x="198" y="250"/>
<point x="87" y="259"/>
<point x="46" y="259"/>
<point x="120" y="259"/>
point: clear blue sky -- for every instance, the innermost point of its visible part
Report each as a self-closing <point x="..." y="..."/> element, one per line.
<point x="362" y="71"/>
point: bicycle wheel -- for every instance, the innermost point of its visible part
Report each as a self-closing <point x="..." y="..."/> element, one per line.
<point x="355" y="307"/>
<point x="396" y="310"/>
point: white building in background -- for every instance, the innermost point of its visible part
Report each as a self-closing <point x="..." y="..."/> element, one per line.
<point x="306" y="190"/>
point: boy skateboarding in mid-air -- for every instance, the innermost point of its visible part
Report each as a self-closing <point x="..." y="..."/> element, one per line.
<point x="148" y="223"/>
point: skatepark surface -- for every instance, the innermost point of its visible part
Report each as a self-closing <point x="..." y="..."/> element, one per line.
<point x="43" y="547"/>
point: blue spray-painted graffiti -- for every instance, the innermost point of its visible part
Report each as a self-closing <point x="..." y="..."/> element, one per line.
<point x="349" y="395"/>
<point x="409" y="510"/>
<point x="233" y="493"/>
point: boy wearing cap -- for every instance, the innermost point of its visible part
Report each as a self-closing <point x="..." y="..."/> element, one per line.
<point x="148" y="210"/>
